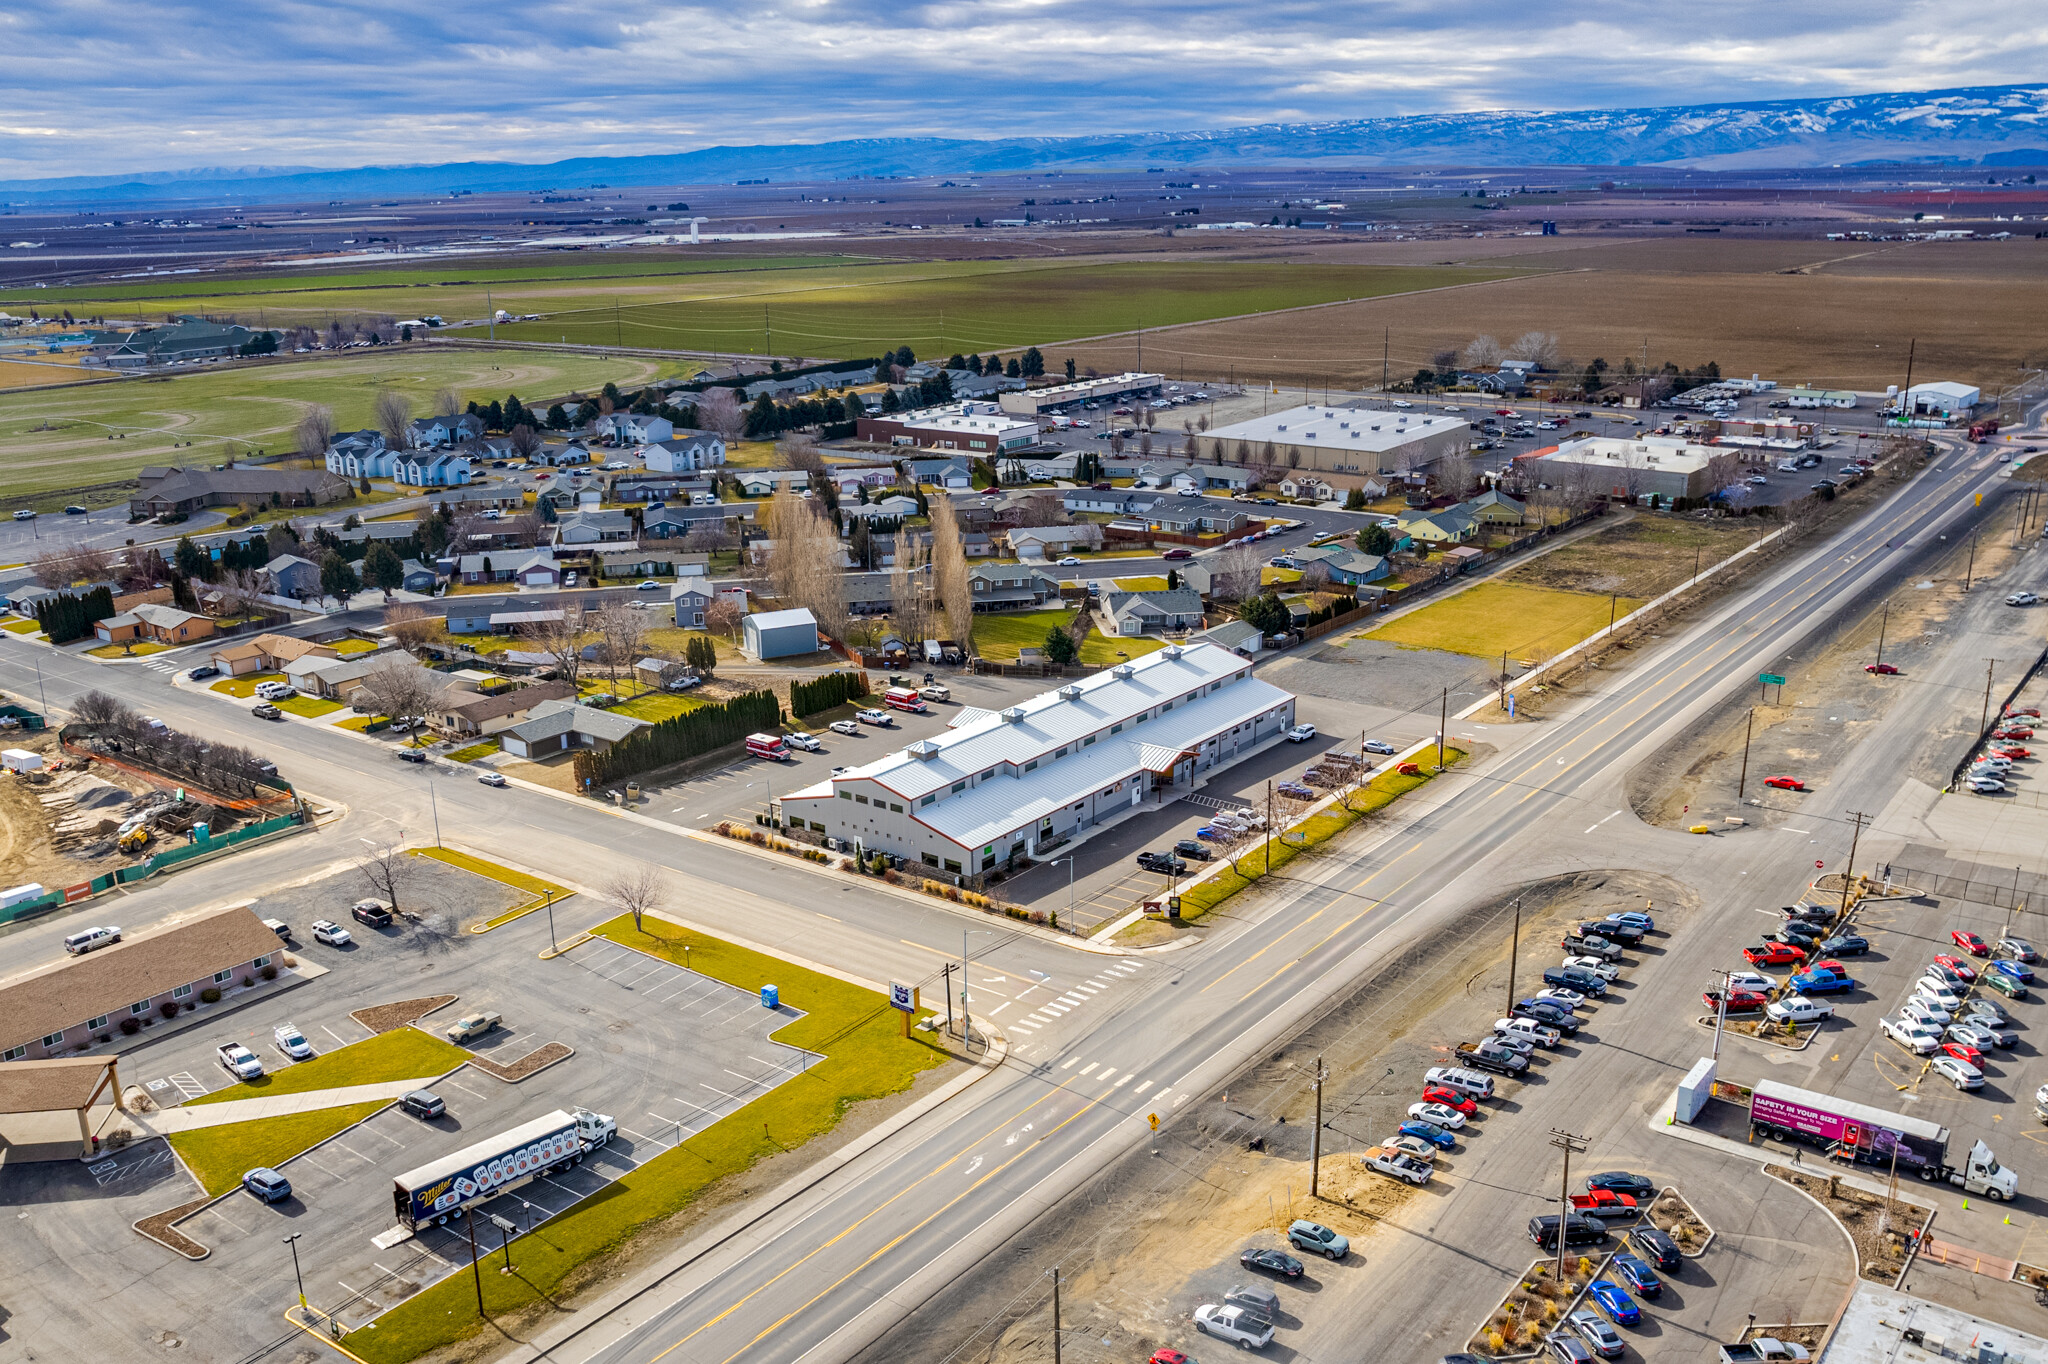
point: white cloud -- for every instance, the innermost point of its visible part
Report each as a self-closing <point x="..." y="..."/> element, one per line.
<point x="181" y="83"/>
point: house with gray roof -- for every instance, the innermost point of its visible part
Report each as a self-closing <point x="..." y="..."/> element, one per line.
<point x="438" y="433"/>
<point x="1152" y="613"/>
<point x="291" y="576"/>
<point x="594" y="527"/>
<point x="1011" y="587"/>
<point x="560" y="725"/>
<point x="175" y="491"/>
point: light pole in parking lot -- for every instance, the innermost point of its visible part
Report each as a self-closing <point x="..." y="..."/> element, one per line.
<point x="553" y="944"/>
<point x="1070" y="886"/>
<point x="293" y="1241"/>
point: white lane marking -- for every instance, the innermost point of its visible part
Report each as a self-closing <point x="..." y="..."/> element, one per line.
<point x="1106" y="1074"/>
<point x="1127" y="1079"/>
<point x="999" y="1008"/>
<point x="1091" y="1068"/>
<point x="1070" y="1063"/>
<point x="1142" y="1087"/>
<point x="1591" y="827"/>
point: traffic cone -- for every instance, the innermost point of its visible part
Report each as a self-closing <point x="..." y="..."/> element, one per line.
<point x="2008" y="1219"/>
<point x="1966" y="1205"/>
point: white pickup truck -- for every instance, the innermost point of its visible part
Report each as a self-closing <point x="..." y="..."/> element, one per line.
<point x="1396" y="1163"/>
<point x="238" y="1061"/>
<point x="1798" y="1009"/>
<point x="1528" y="1029"/>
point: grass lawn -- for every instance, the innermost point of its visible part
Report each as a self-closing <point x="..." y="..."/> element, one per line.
<point x="1496" y="617"/>
<point x="751" y="454"/>
<point x="1268" y="576"/>
<point x="656" y="706"/>
<point x="244" y="686"/>
<point x="220" y="1156"/>
<point x="1146" y="583"/>
<point x="865" y="1057"/>
<point x="140" y="648"/>
<point x="1100" y="650"/>
<point x="361" y="723"/>
<point x="1000" y="634"/>
<point x="21" y="626"/>
<point x="669" y="641"/>
<point x="404" y="1054"/>
<point x="1251" y="865"/>
<point x="475" y="751"/>
<point x="312" y="707"/>
<point x="1644" y="556"/>
<point x="348" y="648"/>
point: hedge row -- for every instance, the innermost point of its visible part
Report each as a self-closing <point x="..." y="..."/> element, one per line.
<point x="680" y="738"/>
<point x="833" y="689"/>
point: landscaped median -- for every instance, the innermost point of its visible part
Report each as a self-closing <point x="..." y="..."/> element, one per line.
<point x="865" y="1056"/>
<point x="219" y="1156"/>
<point x="404" y="1054"/>
<point x="1251" y="864"/>
<point x="542" y="892"/>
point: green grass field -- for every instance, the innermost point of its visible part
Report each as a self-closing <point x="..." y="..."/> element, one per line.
<point x="219" y="1156"/>
<point x="865" y="1057"/>
<point x="105" y="432"/>
<point x="1497" y="617"/>
<point x="939" y="307"/>
<point x="1000" y="634"/>
<point x="405" y="1054"/>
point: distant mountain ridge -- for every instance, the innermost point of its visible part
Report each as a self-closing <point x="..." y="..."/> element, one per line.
<point x="2004" y="125"/>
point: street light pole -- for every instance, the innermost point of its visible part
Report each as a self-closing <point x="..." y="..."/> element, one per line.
<point x="554" y="944"/>
<point x="436" y="807"/>
<point x="293" y="1241"/>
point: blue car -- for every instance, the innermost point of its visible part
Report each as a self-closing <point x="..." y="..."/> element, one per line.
<point x="1429" y="1132"/>
<point x="2019" y="971"/>
<point x="267" y="1184"/>
<point x="1620" y="1308"/>
<point x="1819" y="983"/>
<point x="1637" y="1274"/>
<point x="1635" y="917"/>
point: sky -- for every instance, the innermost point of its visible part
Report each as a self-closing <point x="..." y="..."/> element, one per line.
<point x="95" y="87"/>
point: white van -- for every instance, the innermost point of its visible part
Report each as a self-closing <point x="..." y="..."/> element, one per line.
<point x="1471" y="1082"/>
<point x="85" y="940"/>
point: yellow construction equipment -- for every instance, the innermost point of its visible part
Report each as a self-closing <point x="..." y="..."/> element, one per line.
<point x="135" y="840"/>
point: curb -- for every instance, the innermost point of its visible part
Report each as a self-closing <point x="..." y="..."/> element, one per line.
<point x="1672" y="1189"/>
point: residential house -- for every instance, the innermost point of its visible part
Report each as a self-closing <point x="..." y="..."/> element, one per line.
<point x="154" y="624"/>
<point x="432" y="471"/>
<point x="337" y="679"/>
<point x="1345" y="564"/>
<point x="658" y="487"/>
<point x="466" y="715"/>
<point x="851" y="478"/>
<point x="594" y="527"/>
<point x="475" y="497"/>
<point x="360" y="454"/>
<point x="642" y="561"/>
<point x="1127" y="614"/>
<point x="1203" y="477"/>
<point x="955" y="474"/>
<point x="561" y="725"/>
<point x="418" y="577"/>
<point x="560" y="456"/>
<point x="537" y="570"/>
<point x="674" y="521"/>
<point x="1495" y="508"/>
<point x="169" y="490"/>
<point x="1044" y="542"/>
<point x="377" y="533"/>
<point x="1447" y="527"/>
<point x="1240" y="637"/>
<point x="690" y="599"/>
<point x="765" y="482"/>
<point x="1308" y="486"/>
<point x="685" y="451"/>
<point x="291" y="576"/>
<point x="266" y="653"/>
<point x="874" y="594"/>
<point x="439" y="433"/>
<point x="977" y="544"/>
<point x="894" y="505"/>
<point x="509" y="565"/>
<point x="1196" y="516"/>
<point x="1033" y="468"/>
<point x="1111" y="501"/>
<point x="633" y="428"/>
<point x="1011" y="587"/>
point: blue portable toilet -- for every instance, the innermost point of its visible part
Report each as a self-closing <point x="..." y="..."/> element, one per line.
<point x="771" y="998"/>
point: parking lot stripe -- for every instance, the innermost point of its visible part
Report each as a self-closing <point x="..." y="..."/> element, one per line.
<point x="464" y="1088"/>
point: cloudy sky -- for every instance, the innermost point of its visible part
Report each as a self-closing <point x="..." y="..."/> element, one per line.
<point x="94" y="87"/>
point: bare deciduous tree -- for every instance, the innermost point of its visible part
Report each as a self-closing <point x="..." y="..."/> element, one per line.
<point x="718" y="411"/>
<point x="621" y="633"/>
<point x="1237" y="573"/>
<point x="393" y="415"/>
<point x="1482" y="352"/>
<point x="910" y="596"/>
<point x="1540" y="347"/>
<point x="561" y="640"/>
<point x="400" y="688"/>
<point x="315" y="431"/>
<point x="723" y="617"/>
<point x="636" y="891"/>
<point x="447" y="403"/>
<point x="99" y="709"/>
<point x="410" y="625"/>
<point x="798" y="450"/>
<point x="525" y="441"/>
<point x="949" y="571"/>
<point x="389" y="870"/>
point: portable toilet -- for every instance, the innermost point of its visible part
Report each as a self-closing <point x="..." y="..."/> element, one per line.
<point x="771" y="998"/>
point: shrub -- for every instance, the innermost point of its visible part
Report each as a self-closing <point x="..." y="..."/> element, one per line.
<point x="104" y="1037"/>
<point x="247" y="981"/>
<point x="1495" y="1342"/>
<point x="210" y="995"/>
<point x="169" y="1009"/>
<point x="130" y="1026"/>
<point x="270" y="973"/>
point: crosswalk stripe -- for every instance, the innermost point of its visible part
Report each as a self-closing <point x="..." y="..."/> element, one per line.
<point x="1092" y="1066"/>
<point x="1126" y="1080"/>
<point x="1142" y="1087"/>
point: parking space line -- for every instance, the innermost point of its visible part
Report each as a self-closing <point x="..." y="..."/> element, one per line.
<point x="464" y="1088"/>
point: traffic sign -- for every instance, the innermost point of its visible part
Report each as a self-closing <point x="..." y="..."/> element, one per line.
<point x="899" y="996"/>
<point x="1770" y="679"/>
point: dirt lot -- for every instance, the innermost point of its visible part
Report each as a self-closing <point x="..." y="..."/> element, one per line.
<point x="1967" y="303"/>
<point x="31" y="849"/>
<point x="1160" y="1234"/>
<point x="1828" y="702"/>
<point x="1645" y="555"/>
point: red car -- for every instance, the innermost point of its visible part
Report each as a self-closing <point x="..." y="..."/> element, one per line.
<point x="1773" y="954"/>
<point x="2012" y="751"/>
<point x="1963" y="1051"/>
<point x="2033" y="712"/>
<point x="2012" y="732"/>
<point x="1164" y="1356"/>
<point x="1785" y="783"/>
<point x="1178" y="554"/>
<point x="1832" y="967"/>
<point x="1598" y="1202"/>
<point x="1881" y="669"/>
<point x="1739" y="1001"/>
<point x="1449" y="1098"/>
<point x="1969" y="942"/>
<point x="1957" y="965"/>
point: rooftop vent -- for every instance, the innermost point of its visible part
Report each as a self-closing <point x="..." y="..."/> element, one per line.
<point x="1070" y="692"/>
<point x="924" y="750"/>
<point x="1171" y="651"/>
<point x="1013" y="715"/>
<point x="1122" y="672"/>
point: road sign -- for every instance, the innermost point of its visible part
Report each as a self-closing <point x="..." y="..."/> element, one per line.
<point x="1770" y="679"/>
<point x="1154" y="1119"/>
<point x="899" y="996"/>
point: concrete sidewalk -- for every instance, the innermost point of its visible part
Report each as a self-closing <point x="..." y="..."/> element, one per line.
<point x="186" y="1118"/>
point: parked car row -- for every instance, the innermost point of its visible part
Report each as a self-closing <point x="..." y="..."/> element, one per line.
<point x="1945" y="1020"/>
<point x="1991" y="771"/>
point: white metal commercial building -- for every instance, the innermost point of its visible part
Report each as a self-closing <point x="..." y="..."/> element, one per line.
<point x="1032" y="401"/>
<point x="1002" y="784"/>
<point x="1942" y="399"/>
<point x="1337" y="440"/>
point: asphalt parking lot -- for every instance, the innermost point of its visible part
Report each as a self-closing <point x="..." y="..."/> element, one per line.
<point x="665" y="1051"/>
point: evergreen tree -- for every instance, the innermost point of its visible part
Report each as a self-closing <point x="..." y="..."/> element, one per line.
<point x="1070" y="369"/>
<point x="337" y="579"/>
<point x="190" y="559"/>
<point x="1355" y="500"/>
<point x="558" y="418"/>
<point x="1375" y="540"/>
<point x="381" y="569"/>
<point x="1059" y="647"/>
<point x="1034" y="364"/>
<point x="1013" y="369"/>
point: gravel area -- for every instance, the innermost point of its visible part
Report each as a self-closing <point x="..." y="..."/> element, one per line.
<point x="1378" y="673"/>
<point x="382" y="1018"/>
<point x="443" y="896"/>
<point x="532" y="1063"/>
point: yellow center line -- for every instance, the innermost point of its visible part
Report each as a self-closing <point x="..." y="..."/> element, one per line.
<point x="898" y="1240"/>
<point x="1261" y="952"/>
<point x="1304" y="956"/>
<point x="876" y="1211"/>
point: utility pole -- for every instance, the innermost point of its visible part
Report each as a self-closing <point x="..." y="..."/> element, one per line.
<point x="1883" y="621"/>
<point x="1984" y="717"/>
<point x="1613" y="603"/>
<point x="1970" y="571"/>
<point x="1566" y="1142"/>
<point x="1386" y="342"/>
<point x="1721" y="1012"/>
<point x="1055" y="1314"/>
<point x="1748" y="727"/>
<point x="491" y="313"/>
<point x="1315" y="1138"/>
<point x="1443" y="722"/>
<point x="1857" y="820"/>
<point x="476" y="1272"/>
<point x="949" y="998"/>
<point x="1269" y="824"/>
<point x="1514" y="948"/>
<point x="767" y="332"/>
<point x="1503" y="679"/>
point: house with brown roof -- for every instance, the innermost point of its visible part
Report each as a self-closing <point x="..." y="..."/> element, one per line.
<point x="266" y="653"/>
<point x="468" y="715"/>
<point x="170" y="490"/>
<point x="66" y="1006"/>
<point x="156" y="624"/>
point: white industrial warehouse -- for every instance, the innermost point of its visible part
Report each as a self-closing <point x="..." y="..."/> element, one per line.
<point x="1358" y="441"/>
<point x="1003" y="783"/>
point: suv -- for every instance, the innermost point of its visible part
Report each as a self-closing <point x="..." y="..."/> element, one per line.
<point x="1578" y="1231"/>
<point x="1314" y="1236"/>
<point x="371" y="913"/>
<point x="1166" y="862"/>
<point x="1192" y="847"/>
<point x="423" y="1104"/>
